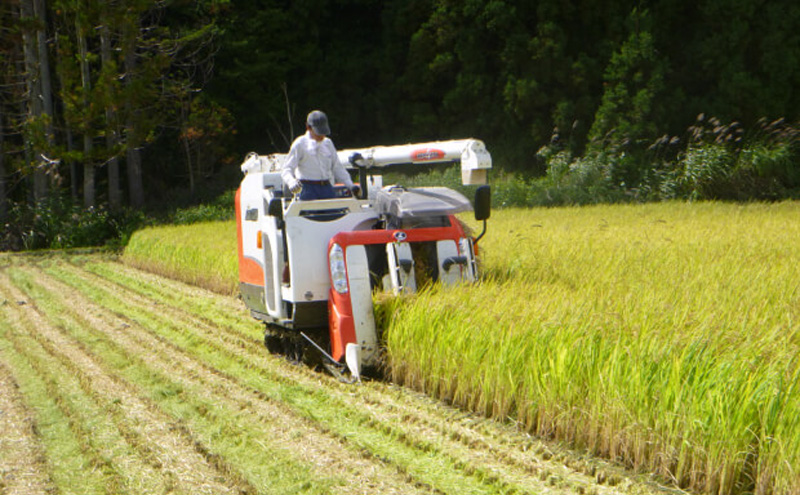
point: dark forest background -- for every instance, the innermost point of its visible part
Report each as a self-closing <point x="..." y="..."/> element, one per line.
<point x="112" y="108"/>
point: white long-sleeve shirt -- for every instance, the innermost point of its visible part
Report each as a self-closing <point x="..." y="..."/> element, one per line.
<point x="309" y="159"/>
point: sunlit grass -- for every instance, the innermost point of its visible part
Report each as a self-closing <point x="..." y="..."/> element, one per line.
<point x="202" y="254"/>
<point x="662" y="335"/>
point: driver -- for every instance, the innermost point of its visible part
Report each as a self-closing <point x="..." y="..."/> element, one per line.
<point x="312" y="166"/>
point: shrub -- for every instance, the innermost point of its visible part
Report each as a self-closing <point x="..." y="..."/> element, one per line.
<point x="58" y="223"/>
<point x="706" y="169"/>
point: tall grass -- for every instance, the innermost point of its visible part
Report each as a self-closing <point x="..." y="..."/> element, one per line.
<point x="202" y="254"/>
<point x="663" y="335"/>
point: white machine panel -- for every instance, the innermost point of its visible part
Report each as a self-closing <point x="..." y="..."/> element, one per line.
<point x="361" y="300"/>
<point x="447" y="249"/>
<point x="403" y="281"/>
<point x="308" y="244"/>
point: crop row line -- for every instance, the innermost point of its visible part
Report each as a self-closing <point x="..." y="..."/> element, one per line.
<point x="23" y="465"/>
<point x="218" y="387"/>
<point x="492" y="443"/>
<point x="200" y="406"/>
<point x="257" y="359"/>
<point x="141" y="441"/>
<point x="372" y="437"/>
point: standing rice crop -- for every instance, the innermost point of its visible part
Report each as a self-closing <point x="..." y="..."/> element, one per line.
<point x="203" y="254"/>
<point x="664" y="335"/>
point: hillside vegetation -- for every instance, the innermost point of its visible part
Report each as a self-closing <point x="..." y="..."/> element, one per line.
<point x="663" y="335"/>
<point x="152" y="105"/>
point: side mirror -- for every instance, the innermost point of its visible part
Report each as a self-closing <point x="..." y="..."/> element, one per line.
<point x="483" y="202"/>
<point x="275" y="208"/>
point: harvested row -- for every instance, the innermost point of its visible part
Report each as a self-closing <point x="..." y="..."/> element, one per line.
<point x="213" y="408"/>
<point x="131" y="349"/>
<point x="129" y="443"/>
<point x="22" y="467"/>
<point x="216" y="389"/>
<point x="455" y="427"/>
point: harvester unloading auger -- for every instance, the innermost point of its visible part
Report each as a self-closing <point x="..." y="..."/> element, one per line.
<point x="308" y="269"/>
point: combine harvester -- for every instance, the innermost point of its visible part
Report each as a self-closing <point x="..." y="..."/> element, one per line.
<point x="308" y="269"/>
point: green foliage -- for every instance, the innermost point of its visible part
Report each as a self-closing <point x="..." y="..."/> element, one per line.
<point x="208" y="134"/>
<point x="705" y="170"/>
<point x="605" y="76"/>
<point x="220" y="209"/>
<point x="58" y="223"/>
<point x="713" y="161"/>
<point x="634" y="84"/>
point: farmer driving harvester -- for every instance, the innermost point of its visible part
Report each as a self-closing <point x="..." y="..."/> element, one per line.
<point x="308" y="269"/>
<point x="312" y="162"/>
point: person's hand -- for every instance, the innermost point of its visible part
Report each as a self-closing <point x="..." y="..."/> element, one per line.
<point x="295" y="186"/>
<point x="356" y="190"/>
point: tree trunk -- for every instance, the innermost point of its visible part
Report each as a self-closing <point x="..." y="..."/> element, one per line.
<point x="3" y="198"/>
<point x="73" y="168"/>
<point x="132" y="140"/>
<point x="35" y="100"/>
<point x="89" y="198"/>
<point x="46" y="85"/>
<point x="112" y="131"/>
<point x="188" y="150"/>
<point x="134" y="162"/>
<point x="43" y="173"/>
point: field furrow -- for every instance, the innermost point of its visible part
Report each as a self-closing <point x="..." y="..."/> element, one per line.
<point x="22" y="467"/>
<point x="486" y="450"/>
<point x="163" y="387"/>
<point x="358" y="428"/>
<point x="133" y="447"/>
<point x="266" y="417"/>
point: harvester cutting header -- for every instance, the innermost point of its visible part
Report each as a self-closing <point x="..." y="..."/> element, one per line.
<point x="308" y="268"/>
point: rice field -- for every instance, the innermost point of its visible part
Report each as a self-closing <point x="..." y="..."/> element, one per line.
<point x="663" y="336"/>
<point x="202" y="254"/>
<point x="118" y="381"/>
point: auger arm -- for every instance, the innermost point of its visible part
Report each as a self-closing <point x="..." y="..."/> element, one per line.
<point x="475" y="160"/>
<point x="471" y="154"/>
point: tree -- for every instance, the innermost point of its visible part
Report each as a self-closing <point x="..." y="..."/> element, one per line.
<point x="109" y="76"/>
<point x="82" y="26"/>
<point x="3" y="198"/>
<point x="33" y="20"/>
<point x="207" y="134"/>
<point x="634" y="83"/>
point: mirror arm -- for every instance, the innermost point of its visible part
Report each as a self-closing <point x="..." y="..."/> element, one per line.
<point x="477" y="239"/>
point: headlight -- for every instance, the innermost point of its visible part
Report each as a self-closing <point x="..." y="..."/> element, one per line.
<point x="338" y="270"/>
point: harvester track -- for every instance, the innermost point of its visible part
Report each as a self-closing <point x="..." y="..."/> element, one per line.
<point x="165" y="387"/>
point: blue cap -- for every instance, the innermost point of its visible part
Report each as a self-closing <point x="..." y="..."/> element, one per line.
<point x="318" y="122"/>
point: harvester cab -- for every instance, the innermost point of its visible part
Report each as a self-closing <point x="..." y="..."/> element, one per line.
<point x="308" y="269"/>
